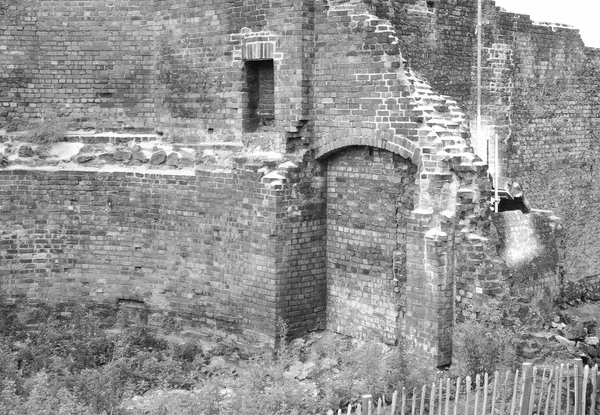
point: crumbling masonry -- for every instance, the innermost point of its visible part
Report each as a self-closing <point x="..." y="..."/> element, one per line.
<point x="354" y="197"/>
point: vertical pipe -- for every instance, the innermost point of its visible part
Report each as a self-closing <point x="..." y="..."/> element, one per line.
<point x="479" y="24"/>
<point x="496" y="174"/>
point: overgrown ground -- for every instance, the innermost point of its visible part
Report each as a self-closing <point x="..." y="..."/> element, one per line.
<point x="77" y="363"/>
<point x="71" y="363"/>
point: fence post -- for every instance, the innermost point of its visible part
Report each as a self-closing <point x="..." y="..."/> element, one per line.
<point x="367" y="400"/>
<point x="594" y="385"/>
<point x="526" y="371"/>
<point x="578" y="385"/>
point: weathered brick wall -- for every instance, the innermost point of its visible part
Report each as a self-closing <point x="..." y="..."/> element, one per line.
<point x="201" y="86"/>
<point x="301" y="246"/>
<point x="366" y="97"/>
<point x="359" y="85"/>
<point x="197" y="247"/>
<point x="256" y="237"/>
<point x="91" y="60"/>
<point x="437" y="41"/>
<point x="554" y="145"/>
<point x="369" y="200"/>
<point x="167" y="65"/>
<point x="540" y="94"/>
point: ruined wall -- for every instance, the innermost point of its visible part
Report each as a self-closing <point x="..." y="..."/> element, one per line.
<point x="234" y="249"/>
<point x="554" y="147"/>
<point x="436" y="39"/>
<point x="91" y="60"/>
<point x="197" y="247"/>
<point x="540" y="96"/>
<point x="366" y="97"/>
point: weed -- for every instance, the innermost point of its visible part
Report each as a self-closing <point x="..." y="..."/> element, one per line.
<point x="478" y="349"/>
<point x="51" y="128"/>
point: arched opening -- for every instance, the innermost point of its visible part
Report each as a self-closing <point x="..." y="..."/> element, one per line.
<point x="370" y="195"/>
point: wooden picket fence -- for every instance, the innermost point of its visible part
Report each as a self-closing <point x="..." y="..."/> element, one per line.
<point x="566" y="389"/>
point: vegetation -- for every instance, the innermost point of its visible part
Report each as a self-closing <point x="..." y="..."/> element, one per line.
<point x="479" y="349"/>
<point x="71" y="364"/>
<point x="52" y="128"/>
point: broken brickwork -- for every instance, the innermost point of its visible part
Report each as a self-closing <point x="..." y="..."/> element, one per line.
<point x="540" y="97"/>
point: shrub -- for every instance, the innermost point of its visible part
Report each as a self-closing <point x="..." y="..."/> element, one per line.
<point x="349" y="371"/>
<point x="477" y="349"/>
<point x="48" y="396"/>
<point x="78" y="342"/>
<point x="71" y="365"/>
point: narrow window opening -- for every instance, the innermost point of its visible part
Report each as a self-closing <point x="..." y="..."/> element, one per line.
<point x="370" y="151"/>
<point x="259" y="93"/>
<point x="517" y="203"/>
<point x="430" y="5"/>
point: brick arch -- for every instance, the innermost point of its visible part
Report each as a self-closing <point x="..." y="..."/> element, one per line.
<point x="426" y="320"/>
<point x="385" y="141"/>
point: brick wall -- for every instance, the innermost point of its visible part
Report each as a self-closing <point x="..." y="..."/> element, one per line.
<point x="243" y="246"/>
<point x="302" y="246"/>
<point x="201" y="247"/>
<point x="554" y="146"/>
<point x="540" y="96"/>
<point x="169" y="66"/>
<point x="91" y="60"/>
<point x="369" y="200"/>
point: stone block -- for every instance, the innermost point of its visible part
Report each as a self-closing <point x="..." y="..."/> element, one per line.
<point x="158" y="158"/>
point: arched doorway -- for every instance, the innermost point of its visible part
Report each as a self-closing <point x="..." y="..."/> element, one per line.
<point x="370" y="195"/>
